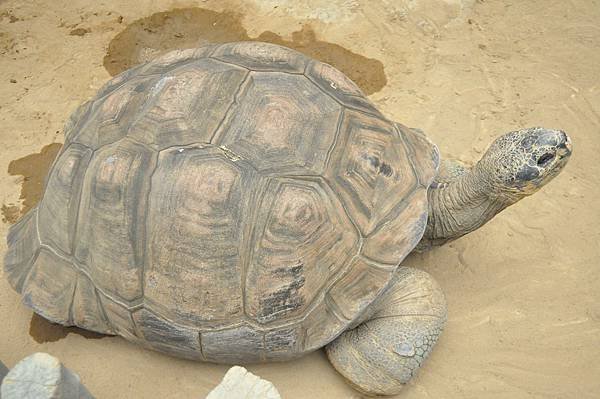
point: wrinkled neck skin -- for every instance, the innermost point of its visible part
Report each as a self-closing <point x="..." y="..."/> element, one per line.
<point x="461" y="205"/>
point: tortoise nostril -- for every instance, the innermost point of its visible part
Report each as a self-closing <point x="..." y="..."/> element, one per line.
<point x="563" y="136"/>
<point x="563" y="139"/>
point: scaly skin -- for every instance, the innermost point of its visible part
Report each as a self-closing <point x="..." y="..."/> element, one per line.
<point x="516" y="165"/>
<point x="383" y="353"/>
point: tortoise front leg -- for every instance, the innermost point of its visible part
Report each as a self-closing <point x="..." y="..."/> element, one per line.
<point x="380" y="355"/>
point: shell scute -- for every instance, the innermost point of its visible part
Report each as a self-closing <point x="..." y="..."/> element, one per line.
<point x="281" y="123"/>
<point x="119" y="318"/>
<point x="187" y="104"/>
<point x="232" y="344"/>
<point x="160" y="334"/>
<point x="196" y="224"/>
<point x="109" y="117"/>
<point x="110" y="227"/>
<point x="49" y="287"/>
<point x="302" y="239"/>
<point x="23" y="247"/>
<point x="370" y="169"/>
<point x="351" y="294"/>
<point x="58" y="211"/>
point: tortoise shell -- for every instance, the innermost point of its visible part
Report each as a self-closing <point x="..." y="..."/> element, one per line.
<point x="236" y="202"/>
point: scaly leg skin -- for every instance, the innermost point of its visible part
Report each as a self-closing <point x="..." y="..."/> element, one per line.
<point x="384" y="352"/>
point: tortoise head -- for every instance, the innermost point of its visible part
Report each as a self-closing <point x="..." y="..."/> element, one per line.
<point x="523" y="161"/>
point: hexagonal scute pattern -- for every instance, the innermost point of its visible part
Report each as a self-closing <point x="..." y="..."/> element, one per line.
<point x="370" y="169"/>
<point x="187" y="104"/>
<point x="301" y="239"/>
<point x="259" y="56"/>
<point x="189" y="193"/>
<point x="282" y="123"/>
<point x="339" y="86"/>
<point x="197" y="215"/>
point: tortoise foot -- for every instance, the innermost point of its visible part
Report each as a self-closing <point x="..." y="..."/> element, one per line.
<point x="383" y="353"/>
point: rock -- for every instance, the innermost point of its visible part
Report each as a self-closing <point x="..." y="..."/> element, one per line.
<point x="240" y="383"/>
<point x="41" y="376"/>
<point x="3" y="371"/>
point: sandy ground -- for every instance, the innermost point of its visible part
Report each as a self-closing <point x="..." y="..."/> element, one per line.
<point x="523" y="291"/>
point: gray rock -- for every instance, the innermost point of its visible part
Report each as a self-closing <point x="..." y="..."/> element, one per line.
<point x="41" y="376"/>
<point x="240" y="383"/>
<point x="3" y="371"/>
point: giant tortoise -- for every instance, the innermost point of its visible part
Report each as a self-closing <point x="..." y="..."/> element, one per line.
<point x="242" y="203"/>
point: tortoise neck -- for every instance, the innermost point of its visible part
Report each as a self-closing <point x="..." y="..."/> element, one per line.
<point x="462" y="205"/>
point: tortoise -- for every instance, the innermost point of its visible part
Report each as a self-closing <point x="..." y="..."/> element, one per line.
<point x="242" y="203"/>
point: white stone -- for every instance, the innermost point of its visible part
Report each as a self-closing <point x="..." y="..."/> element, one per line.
<point x="240" y="383"/>
<point x="41" y="376"/>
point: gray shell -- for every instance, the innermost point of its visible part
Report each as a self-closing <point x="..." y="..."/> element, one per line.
<point x="231" y="203"/>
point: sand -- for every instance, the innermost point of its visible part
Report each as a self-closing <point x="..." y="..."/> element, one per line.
<point x="523" y="291"/>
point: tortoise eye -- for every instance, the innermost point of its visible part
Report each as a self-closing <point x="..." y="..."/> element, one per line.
<point x="545" y="159"/>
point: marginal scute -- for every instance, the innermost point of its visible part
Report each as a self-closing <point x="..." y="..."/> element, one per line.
<point x="301" y="240"/>
<point x="317" y="332"/>
<point x="281" y="123"/>
<point x="58" y="211"/>
<point x="370" y="169"/>
<point x="426" y="156"/>
<point x="196" y="224"/>
<point x="351" y="294"/>
<point x="86" y="311"/>
<point x="110" y="229"/>
<point x="80" y="114"/>
<point x="340" y="87"/>
<point x="23" y="245"/>
<point x="186" y="105"/>
<point x="393" y="241"/>
<point x="233" y="344"/>
<point x="119" y="318"/>
<point x="48" y="289"/>
<point x="259" y="56"/>
<point x="176" y="58"/>
<point x="161" y="334"/>
<point x="283" y="343"/>
<point x="118" y="80"/>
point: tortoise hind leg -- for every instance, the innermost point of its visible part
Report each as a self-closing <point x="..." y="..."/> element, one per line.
<point x="383" y="353"/>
